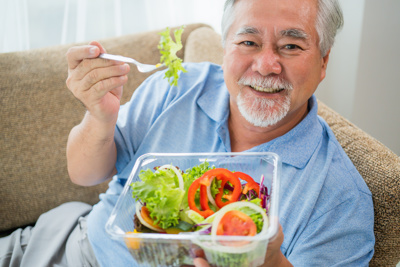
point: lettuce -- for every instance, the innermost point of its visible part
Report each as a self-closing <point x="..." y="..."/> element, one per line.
<point x="254" y="215"/>
<point x="189" y="176"/>
<point x="168" y="49"/>
<point x="160" y="191"/>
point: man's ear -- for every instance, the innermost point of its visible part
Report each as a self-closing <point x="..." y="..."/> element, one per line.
<point x="324" y="64"/>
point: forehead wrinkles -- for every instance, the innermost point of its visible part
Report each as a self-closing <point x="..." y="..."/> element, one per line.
<point x="300" y="28"/>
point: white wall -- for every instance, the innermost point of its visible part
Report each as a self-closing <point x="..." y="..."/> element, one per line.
<point x="364" y="69"/>
<point x="377" y="107"/>
<point x="338" y="88"/>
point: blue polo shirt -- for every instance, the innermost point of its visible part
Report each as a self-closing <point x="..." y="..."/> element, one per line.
<point x="326" y="209"/>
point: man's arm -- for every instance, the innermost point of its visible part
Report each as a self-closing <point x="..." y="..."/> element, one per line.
<point x="97" y="83"/>
<point x="91" y="152"/>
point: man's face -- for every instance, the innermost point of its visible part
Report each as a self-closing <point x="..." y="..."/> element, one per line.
<point x="272" y="62"/>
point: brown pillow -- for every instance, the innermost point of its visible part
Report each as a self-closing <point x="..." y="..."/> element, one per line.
<point x="204" y="44"/>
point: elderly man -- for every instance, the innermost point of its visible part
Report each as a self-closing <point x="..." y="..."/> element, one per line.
<point x="275" y="54"/>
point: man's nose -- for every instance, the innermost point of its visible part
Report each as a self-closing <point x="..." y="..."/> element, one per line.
<point x="266" y="62"/>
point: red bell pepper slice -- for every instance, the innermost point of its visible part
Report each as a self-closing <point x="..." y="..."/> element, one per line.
<point x="250" y="185"/>
<point x="206" y="212"/>
<point x="225" y="176"/>
<point x="204" y="183"/>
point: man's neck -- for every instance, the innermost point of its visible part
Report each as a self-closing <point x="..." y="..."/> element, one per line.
<point x="244" y="136"/>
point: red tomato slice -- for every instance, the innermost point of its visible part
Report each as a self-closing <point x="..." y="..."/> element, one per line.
<point x="237" y="223"/>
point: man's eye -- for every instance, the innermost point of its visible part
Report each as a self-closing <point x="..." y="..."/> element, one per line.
<point x="248" y="43"/>
<point x="292" y="47"/>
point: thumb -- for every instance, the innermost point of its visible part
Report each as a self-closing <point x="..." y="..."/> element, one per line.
<point x="101" y="48"/>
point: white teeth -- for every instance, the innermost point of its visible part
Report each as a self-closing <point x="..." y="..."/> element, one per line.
<point x="266" y="90"/>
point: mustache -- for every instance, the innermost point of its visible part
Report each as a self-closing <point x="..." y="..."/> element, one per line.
<point x="266" y="82"/>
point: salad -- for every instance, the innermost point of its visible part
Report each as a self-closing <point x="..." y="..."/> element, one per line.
<point x="168" y="49"/>
<point x="202" y="200"/>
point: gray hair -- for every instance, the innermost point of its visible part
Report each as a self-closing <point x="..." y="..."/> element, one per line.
<point x="329" y="21"/>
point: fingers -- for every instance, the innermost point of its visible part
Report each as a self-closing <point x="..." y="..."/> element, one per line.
<point x="200" y="262"/>
<point x="96" y="82"/>
<point x="95" y="43"/>
<point x="75" y="55"/>
<point x="103" y="77"/>
<point x="85" y="70"/>
<point x="197" y="253"/>
<point x="100" y="77"/>
<point x="111" y="85"/>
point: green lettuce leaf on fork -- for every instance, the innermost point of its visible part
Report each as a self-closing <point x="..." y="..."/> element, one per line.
<point x="168" y="49"/>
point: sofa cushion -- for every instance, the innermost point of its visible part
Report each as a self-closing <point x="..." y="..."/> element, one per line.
<point x="204" y="44"/>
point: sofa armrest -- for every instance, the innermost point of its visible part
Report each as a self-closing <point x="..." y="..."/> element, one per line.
<point x="380" y="168"/>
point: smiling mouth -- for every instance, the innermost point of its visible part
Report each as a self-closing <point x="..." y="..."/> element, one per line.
<point x="267" y="90"/>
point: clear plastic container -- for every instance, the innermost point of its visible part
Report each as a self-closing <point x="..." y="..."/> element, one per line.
<point x="150" y="249"/>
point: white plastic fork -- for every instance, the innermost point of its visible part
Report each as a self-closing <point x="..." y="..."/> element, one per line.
<point x="140" y="66"/>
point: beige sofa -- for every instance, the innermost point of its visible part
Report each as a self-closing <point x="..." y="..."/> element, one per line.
<point x="37" y="112"/>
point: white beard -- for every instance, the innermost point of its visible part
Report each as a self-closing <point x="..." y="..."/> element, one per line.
<point x="262" y="112"/>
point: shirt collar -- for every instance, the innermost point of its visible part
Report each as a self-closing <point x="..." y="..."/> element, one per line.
<point x="215" y="100"/>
